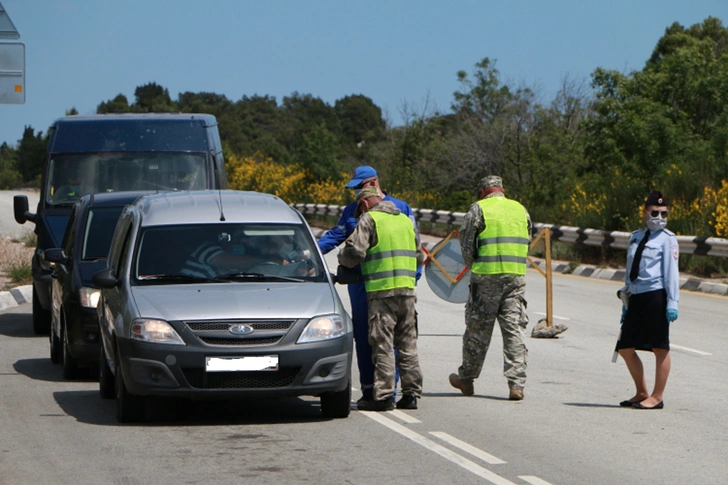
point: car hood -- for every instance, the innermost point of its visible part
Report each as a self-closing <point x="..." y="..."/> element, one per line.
<point x="234" y="301"/>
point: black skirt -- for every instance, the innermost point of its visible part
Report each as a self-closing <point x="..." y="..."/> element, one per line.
<point x="645" y="325"/>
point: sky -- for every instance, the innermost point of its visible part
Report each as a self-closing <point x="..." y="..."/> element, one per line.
<point x="404" y="55"/>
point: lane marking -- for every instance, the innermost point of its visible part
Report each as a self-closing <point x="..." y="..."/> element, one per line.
<point x="476" y="452"/>
<point x="405" y="417"/>
<point x="440" y="450"/>
<point x="688" y="349"/>
<point x="554" y="316"/>
<point x="533" y="480"/>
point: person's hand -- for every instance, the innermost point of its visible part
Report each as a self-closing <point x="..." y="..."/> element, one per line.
<point x="624" y="313"/>
<point x="671" y="315"/>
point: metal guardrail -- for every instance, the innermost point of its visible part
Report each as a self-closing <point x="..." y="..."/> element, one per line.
<point x="707" y="246"/>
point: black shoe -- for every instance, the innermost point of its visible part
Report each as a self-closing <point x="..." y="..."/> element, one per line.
<point x="364" y="399"/>
<point x="627" y="403"/>
<point x="383" y="405"/>
<point x="638" y="405"/>
<point x="408" y="401"/>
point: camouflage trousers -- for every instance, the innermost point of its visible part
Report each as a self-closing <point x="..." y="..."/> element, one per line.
<point x="496" y="297"/>
<point x="392" y="322"/>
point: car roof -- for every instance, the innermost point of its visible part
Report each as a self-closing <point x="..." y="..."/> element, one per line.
<point x="112" y="199"/>
<point x="214" y="206"/>
<point x="207" y="119"/>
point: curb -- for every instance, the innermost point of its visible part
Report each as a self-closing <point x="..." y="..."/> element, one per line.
<point x="16" y="296"/>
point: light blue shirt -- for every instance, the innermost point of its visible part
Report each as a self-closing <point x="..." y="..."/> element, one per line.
<point x="658" y="267"/>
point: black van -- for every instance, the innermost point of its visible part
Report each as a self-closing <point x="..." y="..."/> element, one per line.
<point x="114" y="153"/>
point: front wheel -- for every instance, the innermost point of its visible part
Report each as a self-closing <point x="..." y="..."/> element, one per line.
<point x="107" y="385"/>
<point x="70" y="364"/>
<point x="129" y="408"/>
<point x="41" y="317"/>
<point x="336" y="404"/>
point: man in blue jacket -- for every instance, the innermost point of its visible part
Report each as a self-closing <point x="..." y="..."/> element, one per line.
<point x="363" y="176"/>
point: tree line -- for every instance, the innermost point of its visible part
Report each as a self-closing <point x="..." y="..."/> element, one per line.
<point x="587" y="157"/>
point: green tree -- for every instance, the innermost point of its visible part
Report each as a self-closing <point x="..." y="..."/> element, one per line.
<point x="117" y="105"/>
<point x="31" y="154"/>
<point x="9" y="176"/>
<point x="152" y="97"/>
<point x="360" y="119"/>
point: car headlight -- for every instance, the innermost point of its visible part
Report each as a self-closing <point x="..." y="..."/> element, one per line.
<point x="323" y="328"/>
<point x="89" y="297"/>
<point x="155" y="331"/>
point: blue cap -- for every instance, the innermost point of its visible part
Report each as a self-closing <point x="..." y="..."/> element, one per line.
<point x="360" y="174"/>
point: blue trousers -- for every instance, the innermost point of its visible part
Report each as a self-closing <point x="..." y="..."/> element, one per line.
<point x="360" y="319"/>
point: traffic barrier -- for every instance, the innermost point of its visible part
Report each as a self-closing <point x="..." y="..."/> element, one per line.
<point x="706" y="246"/>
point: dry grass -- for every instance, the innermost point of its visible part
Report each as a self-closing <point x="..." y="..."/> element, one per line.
<point x="15" y="259"/>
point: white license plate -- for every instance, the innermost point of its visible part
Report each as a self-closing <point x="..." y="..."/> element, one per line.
<point x="230" y="364"/>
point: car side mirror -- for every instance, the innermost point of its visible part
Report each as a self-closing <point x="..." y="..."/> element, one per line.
<point x="106" y="278"/>
<point x="55" y="255"/>
<point x="21" y="211"/>
<point x="347" y="276"/>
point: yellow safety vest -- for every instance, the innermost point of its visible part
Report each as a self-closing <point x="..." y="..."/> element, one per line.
<point x="503" y="245"/>
<point x="392" y="262"/>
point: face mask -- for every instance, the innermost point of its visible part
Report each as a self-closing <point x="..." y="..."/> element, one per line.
<point x="656" y="223"/>
<point x="357" y="192"/>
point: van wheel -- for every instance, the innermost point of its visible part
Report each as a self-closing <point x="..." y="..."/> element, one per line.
<point x="107" y="385"/>
<point x="70" y="364"/>
<point x="336" y="404"/>
<point x="41" y="317"/>
<point x="55" y="344"/>
<point x="129" y="408"/>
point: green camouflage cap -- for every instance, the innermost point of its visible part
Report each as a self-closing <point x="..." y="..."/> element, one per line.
<point x="491" y="181"/>
<point x="366" y="192"/>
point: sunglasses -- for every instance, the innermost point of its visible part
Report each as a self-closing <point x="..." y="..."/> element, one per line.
<point x="364" y="184"/>
<point x="662" y="214"/>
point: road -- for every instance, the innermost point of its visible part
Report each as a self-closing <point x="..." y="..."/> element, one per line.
<point x="568" y="430"/>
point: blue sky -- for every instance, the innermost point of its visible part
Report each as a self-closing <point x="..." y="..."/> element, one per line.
<point x="82" y="52"/>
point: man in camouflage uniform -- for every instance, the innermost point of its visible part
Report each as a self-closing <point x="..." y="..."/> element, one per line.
<point x="494" y="240"/>
<point x="387" y="246"/>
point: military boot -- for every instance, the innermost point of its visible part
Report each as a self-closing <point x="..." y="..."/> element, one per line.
<point x="516" y="395"/>
<point x="466" y="387"/>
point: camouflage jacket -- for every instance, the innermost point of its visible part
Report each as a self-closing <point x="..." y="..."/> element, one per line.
<point x="473" y="225"/>
<point x="364" y="237"/>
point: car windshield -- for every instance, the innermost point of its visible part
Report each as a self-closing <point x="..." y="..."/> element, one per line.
<point x="70" y="177"/>
<point x="99" y="231"/>
<point x="227" y="252"/>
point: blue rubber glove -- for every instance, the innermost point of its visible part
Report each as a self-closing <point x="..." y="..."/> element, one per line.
<point x="624" y="313"/>
<point x="671" y="315"/>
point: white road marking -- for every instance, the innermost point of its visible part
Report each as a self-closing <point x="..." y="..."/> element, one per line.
<point x="554" y="316"/>
<point x="688" y="349"/>
<point x="476" y="452"/>
<point x="533" y="480"/>
<point x="405" y="417"/>
<point x="440" y="450"/>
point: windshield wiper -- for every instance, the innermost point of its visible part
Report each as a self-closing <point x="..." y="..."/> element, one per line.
<point x="181" y="278"/>
<point x="259" y="277"/>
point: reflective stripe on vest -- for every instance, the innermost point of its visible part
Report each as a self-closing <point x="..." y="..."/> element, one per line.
<point x="503" y="245"/>
<point x="392" y="262"/>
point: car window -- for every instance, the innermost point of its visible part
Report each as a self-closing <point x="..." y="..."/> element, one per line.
<point x="218" y="250"/>
<point x="68" y="237"/>
<point x="123" y="227"/>
<point x="99" y="231"/>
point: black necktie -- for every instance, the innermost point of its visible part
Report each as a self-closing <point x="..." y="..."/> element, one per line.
<point x="637" y="257"/>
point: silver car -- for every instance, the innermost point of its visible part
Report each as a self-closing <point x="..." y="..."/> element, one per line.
<point x="219" y="294"/>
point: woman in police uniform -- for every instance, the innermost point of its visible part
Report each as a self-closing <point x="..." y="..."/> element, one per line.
<point x="652" y="290"/>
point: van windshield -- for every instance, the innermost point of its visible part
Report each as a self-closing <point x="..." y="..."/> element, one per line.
<point x="70" y="177"/>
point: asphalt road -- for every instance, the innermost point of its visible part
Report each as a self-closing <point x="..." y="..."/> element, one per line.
<point x="568" y="430"/>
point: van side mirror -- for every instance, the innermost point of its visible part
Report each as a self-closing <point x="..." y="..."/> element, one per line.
<point x="55" y="255"/>
<point x="21" y="211"/>
<point x="106" y="278"/>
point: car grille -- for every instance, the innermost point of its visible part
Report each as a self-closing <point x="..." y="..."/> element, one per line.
<point x="216" y="332"/>
<point x="200" y="379"/>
